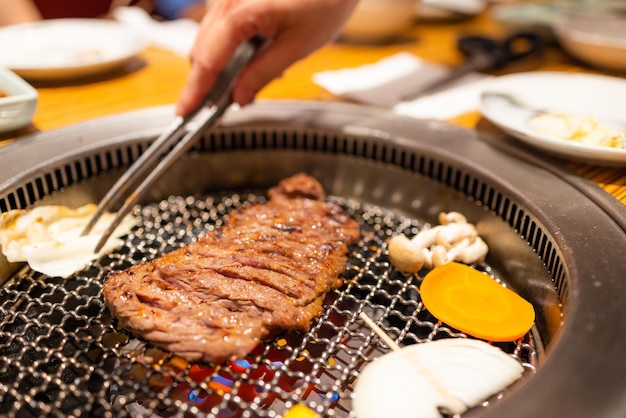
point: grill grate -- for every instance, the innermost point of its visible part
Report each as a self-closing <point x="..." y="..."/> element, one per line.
<point x="61" y="354"/>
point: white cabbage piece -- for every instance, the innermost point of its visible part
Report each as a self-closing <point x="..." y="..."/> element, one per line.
<point x="573" y="127"/>
<point x="49" y="237"/>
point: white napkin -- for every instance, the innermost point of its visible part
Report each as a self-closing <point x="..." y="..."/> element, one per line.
<point x="461" y="97"/>
<point x="176" y="35"/>
<point x="387" y="82"/>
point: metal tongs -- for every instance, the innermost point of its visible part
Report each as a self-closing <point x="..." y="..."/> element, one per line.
<point x="148" y="167"/>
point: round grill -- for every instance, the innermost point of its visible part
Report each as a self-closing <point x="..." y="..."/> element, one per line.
<point x="66" y="356"/>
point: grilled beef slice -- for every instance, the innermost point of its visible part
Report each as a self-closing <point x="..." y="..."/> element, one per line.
<point x="270" y="266"/>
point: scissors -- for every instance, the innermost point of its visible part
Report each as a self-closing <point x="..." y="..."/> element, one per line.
<point x="487" y="54"/>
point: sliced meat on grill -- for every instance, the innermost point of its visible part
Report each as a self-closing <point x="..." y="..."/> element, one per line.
<point x="270" y="266"/>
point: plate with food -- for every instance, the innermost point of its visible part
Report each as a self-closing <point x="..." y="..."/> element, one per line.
<point x="67" y="48"/>
<point x="571" y="115"/>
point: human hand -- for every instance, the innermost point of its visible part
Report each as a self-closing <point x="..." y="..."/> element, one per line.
<point x="293" y="29"/>
<point x="18" y="11"/>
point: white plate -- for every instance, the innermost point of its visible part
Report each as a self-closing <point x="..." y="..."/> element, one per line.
<point x="66" y="48"/>
<point x="582" y="94"/>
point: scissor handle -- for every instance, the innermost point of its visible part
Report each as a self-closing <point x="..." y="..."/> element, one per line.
<point x="501" y="53"/>
<point x="522" y="45"/>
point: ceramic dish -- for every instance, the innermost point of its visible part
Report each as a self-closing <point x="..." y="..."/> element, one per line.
<point x="66" y="48"/>
<point x="375" y="21"/>
<point x="542" y="17"/>
<point x="596" y="40"/>
<point x="511" y="101"/>
<point x="18" y="101"/>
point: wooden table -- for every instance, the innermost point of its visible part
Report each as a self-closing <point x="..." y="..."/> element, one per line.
<point x="157" y="76"/>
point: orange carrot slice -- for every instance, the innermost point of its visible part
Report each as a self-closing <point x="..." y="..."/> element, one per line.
<point x="474" y="303"/>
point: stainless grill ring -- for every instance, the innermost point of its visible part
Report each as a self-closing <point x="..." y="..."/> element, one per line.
<point x="61" y="353"/>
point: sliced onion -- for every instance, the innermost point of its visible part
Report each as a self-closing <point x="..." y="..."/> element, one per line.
<point x="420" y="380"/>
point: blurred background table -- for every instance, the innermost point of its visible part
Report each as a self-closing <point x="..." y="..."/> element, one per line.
<point x="157" y="76"/>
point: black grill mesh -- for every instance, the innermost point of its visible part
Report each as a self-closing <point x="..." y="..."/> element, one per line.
<point x="62" y="355"/>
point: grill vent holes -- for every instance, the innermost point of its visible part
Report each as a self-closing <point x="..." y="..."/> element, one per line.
<point x="308" y="140"/>
<point x="69" y="174"/>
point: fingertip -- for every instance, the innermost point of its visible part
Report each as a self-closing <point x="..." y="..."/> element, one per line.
<point x="187" y="100"/>
<point x="198" y="84"/>
<point x="181" y="109"/>
<point x="182" y="106"/>
<point x="259" y="73"/>
<point x="243" y="96"/>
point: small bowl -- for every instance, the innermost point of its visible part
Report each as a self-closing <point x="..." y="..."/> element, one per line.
<point x="18" y="101"/>
<point x="375" y="21"/>
<point x="597" y="40"/>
